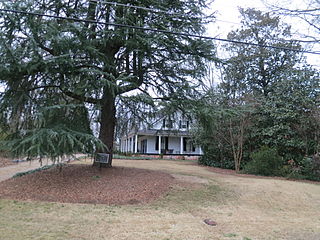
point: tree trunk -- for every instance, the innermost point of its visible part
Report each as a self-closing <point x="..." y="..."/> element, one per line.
<point x="107" y="126"/>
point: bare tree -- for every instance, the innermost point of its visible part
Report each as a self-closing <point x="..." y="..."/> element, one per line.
<point x="309" y="13"/>
<point x="237" y="130"/>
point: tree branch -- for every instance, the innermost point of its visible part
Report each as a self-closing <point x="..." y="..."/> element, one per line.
<point x="88" y="66"/>
<point x="135" y="84"/>
<point x="43" y="47"/>
<point x="43" y="87"/>
<point x="81" y="98"/>
<point x="69" y="94"/>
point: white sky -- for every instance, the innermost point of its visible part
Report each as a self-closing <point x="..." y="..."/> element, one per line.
<point x="227" y="10"/>
<point x="228" y="18"/>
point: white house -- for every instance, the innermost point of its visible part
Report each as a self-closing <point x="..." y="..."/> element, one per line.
<point x="168" y="136"/>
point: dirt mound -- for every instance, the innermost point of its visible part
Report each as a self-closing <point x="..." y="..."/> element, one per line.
<point x="87" y="184"/>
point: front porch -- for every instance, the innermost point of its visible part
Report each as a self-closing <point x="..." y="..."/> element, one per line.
<point x="166" y="144"/>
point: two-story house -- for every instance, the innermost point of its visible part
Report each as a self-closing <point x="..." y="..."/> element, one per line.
<point x="168" y="136"/>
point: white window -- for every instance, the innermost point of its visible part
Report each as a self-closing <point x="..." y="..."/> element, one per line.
<point x="167" y="123"/>
<point x="184" y="124"/>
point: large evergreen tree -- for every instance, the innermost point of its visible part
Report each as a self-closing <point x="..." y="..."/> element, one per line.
<point x="47" y="61"/>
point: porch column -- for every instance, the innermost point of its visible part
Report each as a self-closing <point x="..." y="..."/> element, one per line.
<point x="128" y="144"/>
<point x="181" y="145"/>
<point x="159" y="146"/>
<point x="200" y="150"/>
<point x="136" y="143"/>
<point x="132" y="145"/>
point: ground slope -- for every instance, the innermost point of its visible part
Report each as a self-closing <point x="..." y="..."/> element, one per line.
<point x="244" y="208"/>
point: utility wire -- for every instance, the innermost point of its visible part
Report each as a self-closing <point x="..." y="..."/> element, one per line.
<point x="151" y="10"/>
<point x="157" y="30"/>
<point x="138" y="7"/>
<point x="145" y="8"/>
<point x="182" y="15"/>
<point x="185" y="15"/>
<point x="178" y="14"/>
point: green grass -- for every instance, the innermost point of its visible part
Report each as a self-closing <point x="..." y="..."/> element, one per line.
<point x="96" y="177"/>
<point x="230" y="235"/>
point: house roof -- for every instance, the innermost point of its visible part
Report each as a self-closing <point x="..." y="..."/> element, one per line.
<point x="162" y="132"/>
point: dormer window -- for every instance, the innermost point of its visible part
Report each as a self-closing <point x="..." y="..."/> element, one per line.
<point x="184" y="124"/>
<point x="167" y="123"/>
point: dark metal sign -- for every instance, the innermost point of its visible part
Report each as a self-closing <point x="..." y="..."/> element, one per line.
<point x="102" y="158"/>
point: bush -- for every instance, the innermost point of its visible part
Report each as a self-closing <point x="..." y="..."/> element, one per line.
<point x="266" y="162"/>
<point x="309" y="168"/>
<point x="216" y="157"/>
<point x="131" y="157"/>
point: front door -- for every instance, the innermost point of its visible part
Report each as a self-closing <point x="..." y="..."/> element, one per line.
<point x="164" y="145"/>
<point x="144" y="146"/>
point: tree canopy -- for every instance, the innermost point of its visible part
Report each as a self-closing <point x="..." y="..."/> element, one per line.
<point x="267" y="102"/>
<point x="255" y="69"/>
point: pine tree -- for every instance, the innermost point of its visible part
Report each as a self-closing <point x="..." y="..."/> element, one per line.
<point x="46" y="61"/>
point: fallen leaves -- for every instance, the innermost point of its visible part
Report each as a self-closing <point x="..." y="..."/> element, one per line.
<point x="87" y="184"/>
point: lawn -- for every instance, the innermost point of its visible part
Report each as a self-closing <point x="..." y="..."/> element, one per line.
<point x="244" y="208"/>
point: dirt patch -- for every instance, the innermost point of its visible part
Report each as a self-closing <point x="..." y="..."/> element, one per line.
<point x="87" y="184"/>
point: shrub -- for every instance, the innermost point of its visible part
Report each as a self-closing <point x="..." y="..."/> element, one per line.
<point x="215" y="156"/>
<point x="266" y="162"/>
<point x="310" y="168"/>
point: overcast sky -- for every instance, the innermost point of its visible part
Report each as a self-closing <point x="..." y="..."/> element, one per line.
<point x="228" y="18"/>
<point x="227" y="10"/>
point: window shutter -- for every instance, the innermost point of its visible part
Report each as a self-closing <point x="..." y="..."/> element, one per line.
<point x="156" y="147"/>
